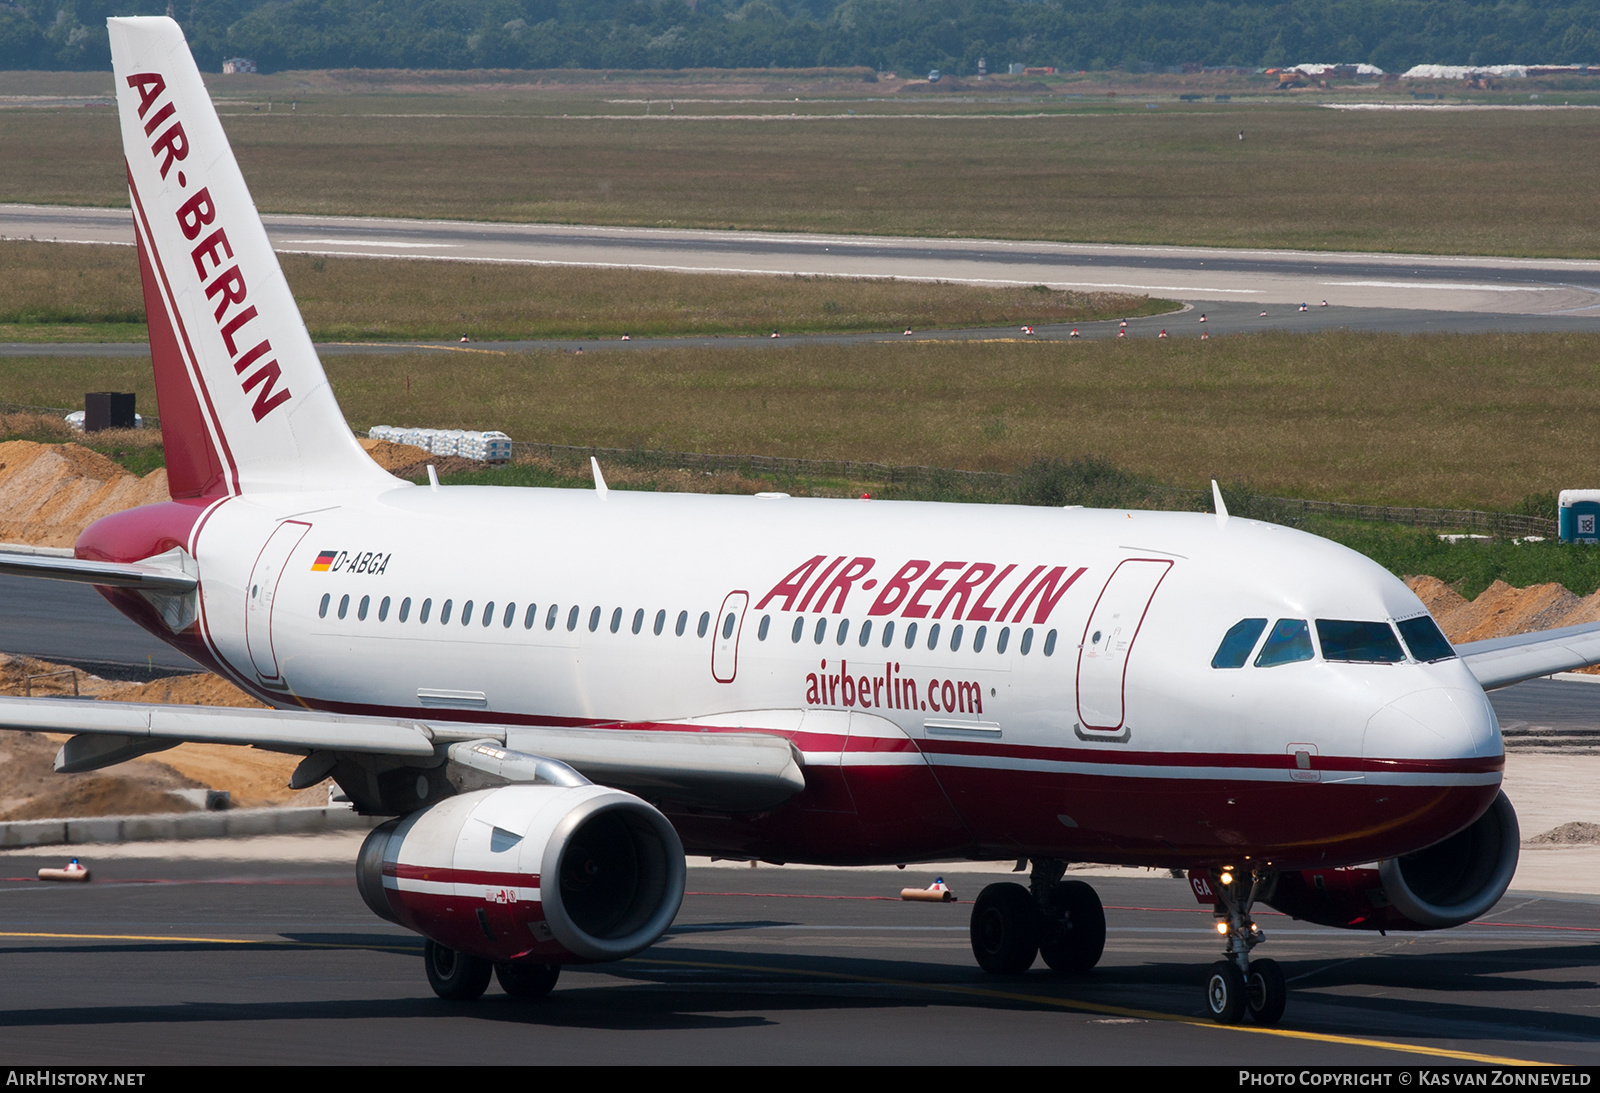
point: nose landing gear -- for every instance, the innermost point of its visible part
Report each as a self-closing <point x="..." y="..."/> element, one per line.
<point x="1061" y="921"/>
<point x="1237" y="986"/>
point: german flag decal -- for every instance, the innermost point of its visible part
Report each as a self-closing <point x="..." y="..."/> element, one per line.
<point x="324" y="560"/>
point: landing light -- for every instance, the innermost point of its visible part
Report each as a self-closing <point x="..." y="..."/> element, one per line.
<point x="1222" y="927"/>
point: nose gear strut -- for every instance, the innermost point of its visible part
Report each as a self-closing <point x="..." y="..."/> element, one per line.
<point x="1237" y="986"/>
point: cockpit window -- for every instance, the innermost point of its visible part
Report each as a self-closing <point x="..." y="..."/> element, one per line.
<point x="1237" y="643"/>
<point x="1289" y="641"/>
<point x="1366" y="642"/>
<point x="1424" y="639"/>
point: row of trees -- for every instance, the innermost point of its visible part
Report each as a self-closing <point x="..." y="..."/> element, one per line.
<point x="909" y="36"/>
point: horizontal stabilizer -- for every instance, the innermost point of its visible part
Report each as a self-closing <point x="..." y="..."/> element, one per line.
<point x="1500" y="662"/>
<point x="149" y="576"/>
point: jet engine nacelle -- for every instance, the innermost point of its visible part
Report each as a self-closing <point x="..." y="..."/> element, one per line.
<point x="1445" y="885"/>
<point x="557" y="874"/>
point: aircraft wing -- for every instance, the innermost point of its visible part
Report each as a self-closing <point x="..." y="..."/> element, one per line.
<point x="734" y="771"/>
<point x="1500" y="662"/>
<point x="162" y="574"/>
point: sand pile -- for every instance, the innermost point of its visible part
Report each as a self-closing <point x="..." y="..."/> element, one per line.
<point x="1501" y="610"/>
<point x="395" y="457"/>
<point x="1575" y="833"/>
<point x="50" y="492"/>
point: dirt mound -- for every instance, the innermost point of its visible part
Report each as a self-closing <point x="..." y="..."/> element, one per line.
<point x="442" y="465"/>
<point x="1501" y="610"/>
<point x="1576" y="833"/>
<point x="393" y="457"/>
<point x="98" y="795"/>
<point x="1440" y="599"/>
<point x="50" y="492"/>
<point x="30" y="789"/>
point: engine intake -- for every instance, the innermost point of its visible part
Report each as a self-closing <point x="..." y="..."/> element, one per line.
<point x="557" y="873"/>
<point x="1444" y="885"/>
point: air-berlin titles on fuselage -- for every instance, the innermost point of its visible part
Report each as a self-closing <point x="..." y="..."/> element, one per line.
<point x="969" y="589"/>
<point x="919" y="589"/>
<point x="227" y="287"/>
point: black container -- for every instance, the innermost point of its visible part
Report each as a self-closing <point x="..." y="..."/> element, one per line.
<point x="107" y="410"/>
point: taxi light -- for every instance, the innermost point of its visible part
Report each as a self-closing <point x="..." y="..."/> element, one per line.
<point x="1222" y="927"/>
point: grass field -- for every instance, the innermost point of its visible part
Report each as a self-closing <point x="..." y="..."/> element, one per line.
<point x="1437" y="420"/>
<point x="67" y="292"/>
<point x="1482" y="182"/>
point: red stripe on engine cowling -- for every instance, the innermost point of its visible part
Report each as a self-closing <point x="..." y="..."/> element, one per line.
<point x="446" y="875"/>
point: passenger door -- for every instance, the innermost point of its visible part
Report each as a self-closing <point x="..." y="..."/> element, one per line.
<point x="1108" y="641"/>
<point x="264" y="578"/>
<point x="725" y="638"/>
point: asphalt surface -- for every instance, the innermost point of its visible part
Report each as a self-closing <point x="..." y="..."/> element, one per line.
<point x="72" y="624"/>
<point x="1264" y="278"/>
<point x="182" y="961"/>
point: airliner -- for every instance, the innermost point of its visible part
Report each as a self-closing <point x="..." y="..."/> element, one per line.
<point x="552" y="696"/>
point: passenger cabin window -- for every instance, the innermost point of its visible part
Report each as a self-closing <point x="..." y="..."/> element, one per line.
<point x="955" y="639"/>
<point x="344" y="606"/>
<point x="661" y="622"/>
<point x="705" y="624"/>
<point x="322" y="611"/>
<point x="532" y="615"/>
<point x="1362" y="642"/>
<point x="843" y="632"/>
<point x="822" y="631"/>
<point x="511" y="616"/>
<point x="683" y="620"/>
<point x="427" y="606"/>
<point x="866" y="634"/>
<point x="1424" y="639"/>
<point x="405" y="609"/>
<point x="616" y="619"/>
<point x="572" y="618"/>
<point x="1290" y="641"/>
<point x="888" y="633"/>
<point x="799" y="628"/>
<point x="1050" y="644"/>
<point x="638" y="620"/>
<point x="361" y="611"/>
<point x="444" y="612"/>
<point x="1241" y="637"/>
<point x="594" y="620"/>
<point x="977" y="639"/>
<point x="911" y="634"/>
<point x="466" y="612"/>
<point x="1000" y="642"/>
<point x="1027" y="641"/>
<point x="766" y="624"/>
<point x="383" y="610"/>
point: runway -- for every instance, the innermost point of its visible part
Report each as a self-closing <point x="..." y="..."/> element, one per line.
<point x="178" y="960"/>
<point x="1558" y="290"/>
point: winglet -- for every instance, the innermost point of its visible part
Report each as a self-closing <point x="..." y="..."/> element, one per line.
<point x="1216" y="500"/>
<point x="599" y="479"/>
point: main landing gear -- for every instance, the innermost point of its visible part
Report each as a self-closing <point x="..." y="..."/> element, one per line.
<point x="462" y="977"/>
<point x="1061" y="921"/>
<point x="1237" y="986"/>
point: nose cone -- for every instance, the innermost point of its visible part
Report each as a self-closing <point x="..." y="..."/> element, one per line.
<point x="1434" y="723"/>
